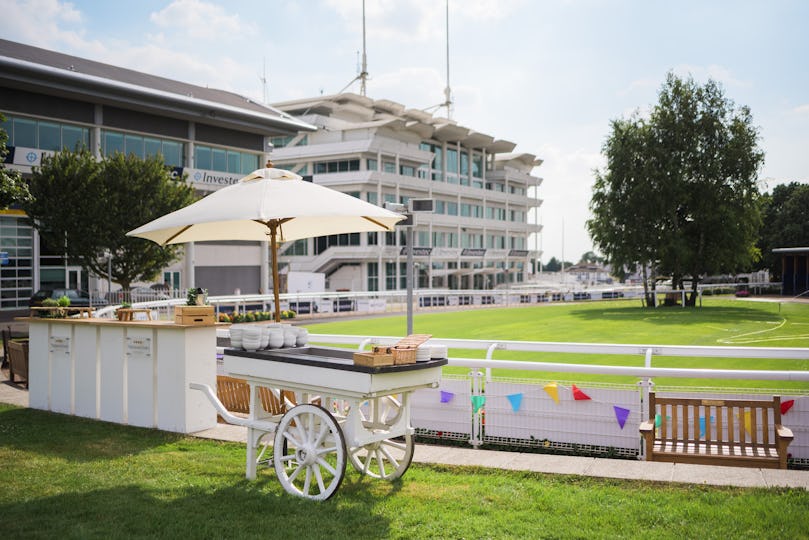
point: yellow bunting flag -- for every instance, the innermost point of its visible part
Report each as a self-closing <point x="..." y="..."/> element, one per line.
<point x="553" y="390"/>
<point x="748" y="426"/>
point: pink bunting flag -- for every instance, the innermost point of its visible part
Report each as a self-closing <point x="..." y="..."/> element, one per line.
<point x="786" y="405"/>
<point x="446" y="397"/>
<point x="578" y="395"/>
<point x="621" y="415"/>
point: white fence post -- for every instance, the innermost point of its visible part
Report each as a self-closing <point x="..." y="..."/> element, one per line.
<point x="477" y="417"/>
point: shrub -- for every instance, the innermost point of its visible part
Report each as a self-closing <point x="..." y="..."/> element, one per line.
<point x="63" y="301"/>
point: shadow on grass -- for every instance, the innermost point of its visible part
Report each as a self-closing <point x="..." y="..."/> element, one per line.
<point x="665" y="316"/>
<point x="242" y="510"/>
<point x="43" y="432"/>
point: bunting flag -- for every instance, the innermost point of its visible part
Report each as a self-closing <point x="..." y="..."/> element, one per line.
<point x="786" y="405"/>
<point x="748" y="423"/>
<point x="658" y="420"/>
<point x="477" y="403"/>
<point x="578" y="395"/>
<point x="515" y="400"/>
<point x="446" y="397"/>
<point x="701" y="426"/>
<point x="553" y="390"/>
<point x="621" y="415"/>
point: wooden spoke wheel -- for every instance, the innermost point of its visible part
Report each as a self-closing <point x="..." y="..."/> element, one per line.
<point x="309" y="452"/>
<point x="388" y="458"/>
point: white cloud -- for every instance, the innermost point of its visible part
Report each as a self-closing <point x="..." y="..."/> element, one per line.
<point x="200" y="20"/>
<point x="802" y="109"/>
<point x="42" y="23"/>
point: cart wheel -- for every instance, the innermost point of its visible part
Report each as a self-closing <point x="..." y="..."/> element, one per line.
<point x="309" y="452"/>
<point x="387" y="459"/>
<point x="386" y="410"/>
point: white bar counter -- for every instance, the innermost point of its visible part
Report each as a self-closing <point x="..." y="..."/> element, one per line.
<point x="127" y="372"/>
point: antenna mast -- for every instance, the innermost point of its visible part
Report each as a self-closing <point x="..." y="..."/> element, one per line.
<point x="263" y="80"/>
<point x="363" y="74"/>
<point x="447" y="90"/>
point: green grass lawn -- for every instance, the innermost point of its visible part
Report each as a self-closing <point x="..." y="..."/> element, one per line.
<point x="67" y="477"/>
<point x="719" y="322"/>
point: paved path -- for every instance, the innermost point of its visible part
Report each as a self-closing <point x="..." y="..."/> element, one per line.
<point x="543" y="463"/>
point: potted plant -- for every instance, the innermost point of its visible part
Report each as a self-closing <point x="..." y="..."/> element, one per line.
<point x="120" y="313"/>
<point x="196" y="310"/>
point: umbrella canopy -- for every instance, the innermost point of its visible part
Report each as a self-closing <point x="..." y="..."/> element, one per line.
<point x="268" y="204"/>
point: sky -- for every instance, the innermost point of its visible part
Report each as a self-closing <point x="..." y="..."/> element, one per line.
<point x="549" y="76"/>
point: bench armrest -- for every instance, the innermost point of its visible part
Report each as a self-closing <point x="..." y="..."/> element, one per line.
<point x="647" y="426"/>
<point x="783" y="432"/>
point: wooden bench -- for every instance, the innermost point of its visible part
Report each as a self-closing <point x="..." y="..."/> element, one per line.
<point x="741" y="433"/>
<point x="18" y="360"/>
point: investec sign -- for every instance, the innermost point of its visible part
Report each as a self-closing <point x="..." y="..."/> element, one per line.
<point x="208" y="180"/>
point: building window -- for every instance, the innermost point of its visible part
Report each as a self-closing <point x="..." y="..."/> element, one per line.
<point x="372" y="165"/>
<point x="220" y="159"/>
<point x="373" y="276"/>
<point x="407" y="170"/>
<point x="372" y="197"/>
<point x="142" y="147"/>
<point x="283" y="141"/>
<point x="322" y="243"/>
<point x="346" y="165"/>
<point x="54" y="136"/>
<point x="298" y="247"/>
<point x="389" y="167"/>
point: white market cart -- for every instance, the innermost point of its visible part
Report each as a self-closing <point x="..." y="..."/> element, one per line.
<point x="347" y="412"/>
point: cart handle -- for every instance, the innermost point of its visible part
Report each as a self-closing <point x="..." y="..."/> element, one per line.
<point x="226" y="415"/>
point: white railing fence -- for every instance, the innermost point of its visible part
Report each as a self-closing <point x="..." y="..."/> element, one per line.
<point x="589" y="418"/>
<point x="329" y="303"/>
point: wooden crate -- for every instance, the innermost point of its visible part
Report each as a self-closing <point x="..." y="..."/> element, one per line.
<point x="404" y="355"/>
<point x="373" y="360"/>
<point x="193" y="315"/>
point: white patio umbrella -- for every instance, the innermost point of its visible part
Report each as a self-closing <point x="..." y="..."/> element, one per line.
<point x="272" y="204"/>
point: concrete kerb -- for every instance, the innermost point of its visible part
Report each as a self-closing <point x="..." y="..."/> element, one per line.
<point x="542" y="463"/>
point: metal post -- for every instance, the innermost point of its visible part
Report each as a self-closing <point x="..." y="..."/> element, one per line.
<point x="409" y="278"/>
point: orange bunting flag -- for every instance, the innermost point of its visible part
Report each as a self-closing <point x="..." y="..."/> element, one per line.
<point x="578" y="395"/>
<point x="553" y="390"/>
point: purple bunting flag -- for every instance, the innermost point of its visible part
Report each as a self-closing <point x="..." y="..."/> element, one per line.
<point x="621" y="415"/>
<point x="446" y="397"/>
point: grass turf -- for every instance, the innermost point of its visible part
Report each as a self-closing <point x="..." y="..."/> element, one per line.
<point x="68" y="477"/>
<point x="719" y="322"/>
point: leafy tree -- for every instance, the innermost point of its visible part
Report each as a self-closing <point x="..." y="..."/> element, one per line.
<point x="555" y="265"/>
<point x="88" y="206"/>
<point x="13" y="189"/>
<point x="590" y="258"/>
<point x="785" y="223"/>
<point x="679" y="194"/>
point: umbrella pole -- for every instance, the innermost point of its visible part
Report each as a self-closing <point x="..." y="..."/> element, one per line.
<point x="274" y="256"/>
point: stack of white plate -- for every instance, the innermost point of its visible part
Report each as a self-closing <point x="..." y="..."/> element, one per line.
<point x="423" y="353"/>
<point x="236" y="336"/>
<point x="251" y="338"/>
<point x="290" y="337"/>
<point x="276" y="338"/>
<point x="438" y="351"/>
<point x="265" y="337"/>
<point x="302" y="336"/>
